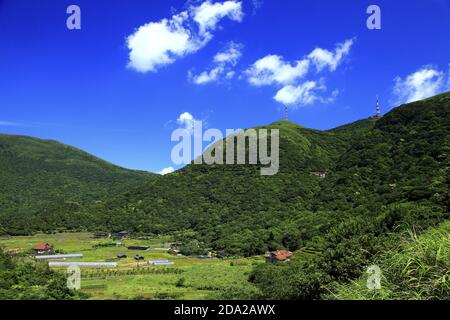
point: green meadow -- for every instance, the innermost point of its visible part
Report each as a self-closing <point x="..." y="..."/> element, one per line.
<point x="187" y="278"/>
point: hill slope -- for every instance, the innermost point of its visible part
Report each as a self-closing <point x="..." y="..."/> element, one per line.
<point x="394" y="179"/>
<point x="372" y="163"/>
<point x="44" y="177"/>
<point x="233" y="207"/>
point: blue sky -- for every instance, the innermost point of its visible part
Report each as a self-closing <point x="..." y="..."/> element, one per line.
<point x="111" y="90"/>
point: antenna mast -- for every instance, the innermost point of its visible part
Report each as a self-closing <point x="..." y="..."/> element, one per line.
<point x="378" y="109"/>
<point x="285" y="112"/>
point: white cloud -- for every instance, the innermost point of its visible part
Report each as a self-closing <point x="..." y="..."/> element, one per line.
<point x="207" y="76"/>
<point x="157" y="44"/>
<point x="230" y="56"/>
<point x="272" y="69"/>
<point x="223" y="63"/>
<point x="323" y="58"/>
<point x="208" y="14"/>
<point x="424" y="83"/>
<point x="187" y="120"/>
<point x="301" y="94"/>
<point x="230" y="75"/>
<point x="166" y="171"/>
<point x="304" y="94"/>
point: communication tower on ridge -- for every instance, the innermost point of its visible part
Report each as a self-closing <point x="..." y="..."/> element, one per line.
<point x="378" y="109"/>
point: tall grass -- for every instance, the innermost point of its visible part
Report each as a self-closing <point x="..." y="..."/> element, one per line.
<point x="418" y="269"/>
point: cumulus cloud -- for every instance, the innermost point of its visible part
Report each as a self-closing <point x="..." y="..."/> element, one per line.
<point x="275" y="70"/>
<point x="223" y="63"/>
<point x="208" y="14"/>
<point x="323" y="58"/>
<point x="272" y="69"/>
<point x="166" y="171"/>
<point x="186" y="120"/>
<point x="206" y="76"/>
<point x="304" y="94"/>
<point x="157" y="44"/>
<point x="424" y="83"/>
<point x="301" y="94"/>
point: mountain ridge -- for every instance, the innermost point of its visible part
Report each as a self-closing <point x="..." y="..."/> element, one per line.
<point x="235" y="208"/>
<point x="42" y="178"/>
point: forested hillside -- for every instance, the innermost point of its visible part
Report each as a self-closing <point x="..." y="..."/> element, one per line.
<point x="393" y="181"/>
<point x="42" y="182"/>
<point x="234" y="207"/>
<point x="384" y="177"/>
<point x="386" y="171"/>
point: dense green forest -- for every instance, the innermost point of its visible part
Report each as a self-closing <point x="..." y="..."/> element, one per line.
<point x="42" y="182"/>
<point x="385" y="177"/>
<point x="392" y="181"/>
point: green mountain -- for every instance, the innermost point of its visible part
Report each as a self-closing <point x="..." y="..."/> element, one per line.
<point x="404" y="157"/>
<point x="370" y="164"/>
<point x="392" y="181"/>
<point x="233" y="207"/>
<point x="46" y="181"/>
<point x="382" y="178"/>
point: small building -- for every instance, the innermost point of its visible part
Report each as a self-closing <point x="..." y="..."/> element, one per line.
<point x="101" y="235"/>
<point x="143" y="248"/>
<point x="278" y="256"/>
<point x="120" y="235"/>
<point x="138" y="257"/>
<point x="173" y="251"/>
<point x="58" y="264"/>
<point x="160" y="262"/>
<point x="176" y="246"/>
<point x="43" y="248"/>
<point x="59" y="256"/>
<point x="121" y="256"/>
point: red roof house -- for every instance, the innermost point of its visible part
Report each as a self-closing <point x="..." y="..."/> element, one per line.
<point x="43" y="247"/>
<point x="278" y="256"/>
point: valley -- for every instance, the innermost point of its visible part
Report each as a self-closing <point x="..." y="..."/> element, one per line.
<point x="188" y="278"/>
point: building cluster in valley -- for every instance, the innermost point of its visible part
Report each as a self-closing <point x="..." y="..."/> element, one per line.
<point x="46" y="251"/>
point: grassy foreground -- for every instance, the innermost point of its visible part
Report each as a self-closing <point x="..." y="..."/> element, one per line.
<point x="419" y="269"/>
<point x="188" y="278"/>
